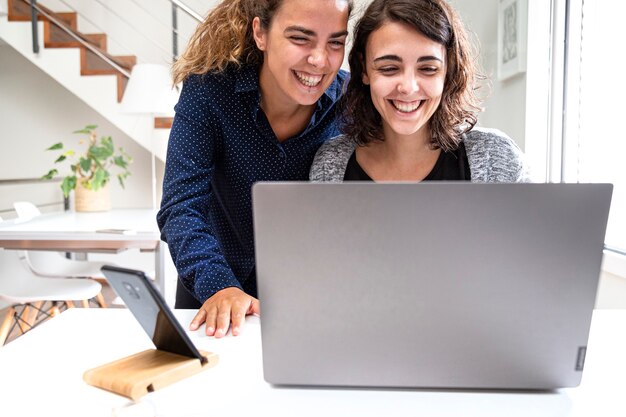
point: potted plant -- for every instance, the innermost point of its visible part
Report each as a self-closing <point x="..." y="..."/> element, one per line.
<point x="90" y="170"/>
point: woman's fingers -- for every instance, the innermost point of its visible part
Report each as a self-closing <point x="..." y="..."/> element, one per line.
<point x="197" y="320"/>
<point x="226" y="308"/>
<point x="238" y="316"/>
<point x="223" y="319"/>
<point x="255" y="307"/>
<point x="211" y="318"/>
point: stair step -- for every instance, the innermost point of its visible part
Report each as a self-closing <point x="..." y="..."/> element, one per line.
<point x="20" y="11"/>
<point x="92" y="64"/>
<point x="121" y="86"/>
<point x="98" y="39"/>
<point x="163" y="122"/>
<point x="55" y="37"/>
<point x="69" y="18"/>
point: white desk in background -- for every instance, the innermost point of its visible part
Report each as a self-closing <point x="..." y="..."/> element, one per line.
<point x="41" y="374"/>
<point x="77" y="232"/>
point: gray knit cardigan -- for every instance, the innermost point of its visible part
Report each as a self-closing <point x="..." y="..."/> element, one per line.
<point x="492" y="157"/>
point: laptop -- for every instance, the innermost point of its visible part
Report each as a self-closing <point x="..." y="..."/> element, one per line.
<point x="429" y="285"/>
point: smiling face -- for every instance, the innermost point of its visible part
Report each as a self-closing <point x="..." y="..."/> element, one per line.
<point x="302" y="49"/>
<point x="406" y="72"/>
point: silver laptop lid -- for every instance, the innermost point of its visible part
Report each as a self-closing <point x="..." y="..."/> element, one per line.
<point x="428" y="285"/>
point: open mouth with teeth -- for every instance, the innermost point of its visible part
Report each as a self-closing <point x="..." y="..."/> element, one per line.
<point x="308" y="80"/>
<point x="406" y="106"/>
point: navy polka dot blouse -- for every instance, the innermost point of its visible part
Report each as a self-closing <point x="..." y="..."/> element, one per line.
<point x="220" y="145"/>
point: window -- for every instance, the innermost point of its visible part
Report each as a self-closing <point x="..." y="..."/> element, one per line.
<point x="594" y="147"/>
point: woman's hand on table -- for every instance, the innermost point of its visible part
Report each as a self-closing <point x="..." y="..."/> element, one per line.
<point x="227" y="307"/>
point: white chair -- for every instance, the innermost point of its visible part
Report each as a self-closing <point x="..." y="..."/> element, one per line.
<point x="26" y="210"/>
<point x="53" y="264"/>
<point x="21" y="290"/>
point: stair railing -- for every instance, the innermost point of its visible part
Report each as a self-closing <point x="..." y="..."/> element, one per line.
<point x="33" y="18"/>
<point x="177" y="4"/>
<point x="36" y="9"/>
<point x="120" y="16"/>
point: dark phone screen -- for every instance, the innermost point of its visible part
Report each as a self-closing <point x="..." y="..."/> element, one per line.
<point x="150" y="310"/>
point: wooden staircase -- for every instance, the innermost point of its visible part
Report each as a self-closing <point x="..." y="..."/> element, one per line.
<point x="90" y="62"/>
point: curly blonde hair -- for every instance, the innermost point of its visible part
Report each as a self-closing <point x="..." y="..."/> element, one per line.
<point x="460" y="103"/>
<point x="225" y="38"/>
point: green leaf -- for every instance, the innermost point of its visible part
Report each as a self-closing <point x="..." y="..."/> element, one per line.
<point x="100" y="153"/>
<point x="107" y="143"/>
<point x="85" y="164"/>
<point x="50" y="174"/>
<point x="56" y="147"/>
<point x="69" y="153"/>
<point x="122" y="177"/>
<point x="68" y="184"/>
<point x="120" y="162"/>
<point x="60" y="159"/>
<point x="87" y="129"/>
<point x="99" y="179"/>
<point x="88" y="184"/>
<point x="126" y="156"/>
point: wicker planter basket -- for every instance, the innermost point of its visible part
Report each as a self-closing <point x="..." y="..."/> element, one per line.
<point x="88" y="200"/>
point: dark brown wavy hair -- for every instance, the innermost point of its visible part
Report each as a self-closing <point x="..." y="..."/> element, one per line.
<point x="225" y="38"/>
<point x="460" y="104"/>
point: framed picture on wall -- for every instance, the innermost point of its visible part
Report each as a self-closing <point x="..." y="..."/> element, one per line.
<point x="512" y="32"/>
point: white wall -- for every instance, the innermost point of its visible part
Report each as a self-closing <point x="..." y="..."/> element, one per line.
<point x="36" y="112"/>
<point x="505" y="107"/>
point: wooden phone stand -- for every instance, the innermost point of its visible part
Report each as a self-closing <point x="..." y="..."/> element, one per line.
<point x="147" y="371"/>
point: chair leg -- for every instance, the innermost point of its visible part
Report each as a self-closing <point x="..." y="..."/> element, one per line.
<point x="26" y="310"/>
<point x="69" y="303"/>
<point x="54" y="310"/>
<point x="6" y="325"/>
<point x="33" y="313"/>
<point x="21" y="324"/>
<point x="85" y="303"/>
<point x="101" y="302"/>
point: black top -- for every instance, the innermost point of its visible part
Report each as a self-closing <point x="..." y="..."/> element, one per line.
<point x="450" y="166"/>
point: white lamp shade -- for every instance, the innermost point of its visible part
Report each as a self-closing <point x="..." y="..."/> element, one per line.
<point x="149" y="90"/>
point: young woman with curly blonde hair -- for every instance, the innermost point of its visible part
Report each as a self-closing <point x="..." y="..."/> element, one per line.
<point x="261" y="81"/>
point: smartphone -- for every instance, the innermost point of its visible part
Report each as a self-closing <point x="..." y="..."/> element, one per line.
<point x="151" y="311"/>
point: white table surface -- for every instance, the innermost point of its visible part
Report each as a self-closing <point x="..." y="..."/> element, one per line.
<point x="73" y="225"/>
<point x="78" y="232"/>
<point x="41" y="374"/>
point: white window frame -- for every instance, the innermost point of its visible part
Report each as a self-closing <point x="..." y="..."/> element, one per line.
<point x="564" y="107"/>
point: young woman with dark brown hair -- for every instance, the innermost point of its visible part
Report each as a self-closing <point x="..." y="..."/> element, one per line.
<point x="411" y="104"/>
